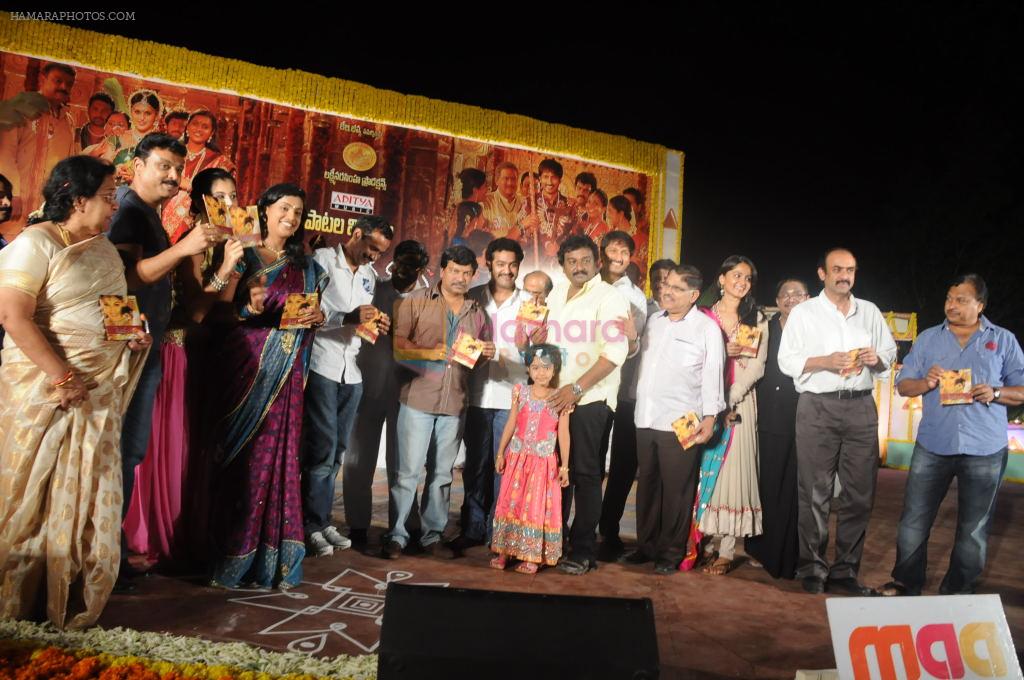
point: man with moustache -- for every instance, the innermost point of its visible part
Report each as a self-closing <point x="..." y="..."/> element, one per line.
<point x="29" y="151"/>
<point x="668" y="388"/>
<point x="589" y="318"/>
<point x="962" y="441"/>
<point x="548" y="215"/>
<point x="175" y="123"/>
<point x="502" y="206"/>
<point x="834" y="346"/>
<point x="585" y="185"/>
<point x="149" y="258"/>
<point x="490" y="389"/>
<point x="617" y="248"/>
<point x="335" y="383"/>
<point x="433" y="396"/>
<point x="100" y="108"/>
<point x="378" y="407"/>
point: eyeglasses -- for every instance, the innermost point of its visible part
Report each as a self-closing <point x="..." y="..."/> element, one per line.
<point x="795" y="294"/>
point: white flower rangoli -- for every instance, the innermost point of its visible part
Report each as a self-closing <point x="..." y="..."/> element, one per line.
<point x="349" y="594"/>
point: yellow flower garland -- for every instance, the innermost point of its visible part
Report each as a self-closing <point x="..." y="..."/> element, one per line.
<point x="342" y="97"/>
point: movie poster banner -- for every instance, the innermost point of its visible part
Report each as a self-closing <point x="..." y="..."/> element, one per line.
<point x="439" y="189"/>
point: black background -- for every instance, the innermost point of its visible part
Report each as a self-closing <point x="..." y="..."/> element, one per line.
<point x="893" y="130"/>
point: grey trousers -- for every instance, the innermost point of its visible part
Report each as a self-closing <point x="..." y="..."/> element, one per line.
<point x="834" y="438"/>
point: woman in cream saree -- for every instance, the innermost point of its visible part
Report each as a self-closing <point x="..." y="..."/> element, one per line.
<point x="60" y="487"/>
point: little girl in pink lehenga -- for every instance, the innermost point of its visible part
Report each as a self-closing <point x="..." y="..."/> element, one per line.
<point x="528" y="514"/>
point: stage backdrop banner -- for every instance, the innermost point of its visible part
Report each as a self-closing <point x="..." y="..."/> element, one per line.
<point x="952" y="636"/>
<point x="442" y="173"/>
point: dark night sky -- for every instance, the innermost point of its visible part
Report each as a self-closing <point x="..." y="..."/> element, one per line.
<point x="895" y="131"/>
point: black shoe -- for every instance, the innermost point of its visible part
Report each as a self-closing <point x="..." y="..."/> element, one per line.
<point x="636" y="557"/>
<point x="666" y="568"/>
<point x="439" y="550"/>
<point x="574" y="568"/>
<point x="849" y="586"/>
<point x="358" y="537"/>
<point x="392" y="550"/>
<point x="610" y="549"/>
<point x="813" y="585"/>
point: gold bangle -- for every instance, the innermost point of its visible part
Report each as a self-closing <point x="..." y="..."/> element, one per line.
<point x="65" y="379"/>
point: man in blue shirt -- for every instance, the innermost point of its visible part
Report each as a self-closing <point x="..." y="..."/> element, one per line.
<point x="965" y="441"/>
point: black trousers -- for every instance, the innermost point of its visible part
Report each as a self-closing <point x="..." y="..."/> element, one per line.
<point x="587" y="426"/>
<point x="621" y="469"/>
<point x="834" y="439"/>
<point x="665" y="492"/>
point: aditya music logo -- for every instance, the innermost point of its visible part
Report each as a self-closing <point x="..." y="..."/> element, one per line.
<point x="352" y="203"/>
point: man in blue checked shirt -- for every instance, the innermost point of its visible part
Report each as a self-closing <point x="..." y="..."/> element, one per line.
<point x="965" y="441"/>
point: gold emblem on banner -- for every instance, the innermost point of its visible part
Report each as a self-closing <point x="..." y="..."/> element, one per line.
<point x="359" y="156"/>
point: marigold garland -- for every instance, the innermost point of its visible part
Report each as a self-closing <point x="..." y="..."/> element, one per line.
<point x="342" y="97"/>
<point x="30" y="651"/>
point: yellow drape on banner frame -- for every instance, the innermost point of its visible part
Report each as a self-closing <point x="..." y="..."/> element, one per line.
<point x="342" y="97"/>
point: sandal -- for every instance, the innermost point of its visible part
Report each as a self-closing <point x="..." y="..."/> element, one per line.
<point x="499" y="562"/>
<point x="526" y="568"/>
<point x="892" y="589"/>
<point x="720" y="567"/>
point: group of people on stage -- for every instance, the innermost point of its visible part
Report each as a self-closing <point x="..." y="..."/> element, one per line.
<point x="251" y="420"/>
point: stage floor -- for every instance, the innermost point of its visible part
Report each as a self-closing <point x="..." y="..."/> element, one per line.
<point x="743" y="625"/>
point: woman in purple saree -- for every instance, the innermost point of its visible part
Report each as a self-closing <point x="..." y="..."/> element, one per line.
<point x="258" y="507"/>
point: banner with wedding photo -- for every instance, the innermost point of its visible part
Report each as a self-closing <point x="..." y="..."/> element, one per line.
<point x="442" y="173"/>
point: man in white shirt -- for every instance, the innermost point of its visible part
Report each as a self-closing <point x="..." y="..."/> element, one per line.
<point x="490" y="389"/>
<point x="589" y="319"/>
<point x="378" y="407"/>
<point x="334" y="385"/>
<point x="617" y="248"/>
<point x="682" y="359"/>
<point x="834" y="346"/>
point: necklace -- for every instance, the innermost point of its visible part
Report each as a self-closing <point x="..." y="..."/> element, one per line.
<point x="717" y="309"/>
<point x="277" y="253"/>
<point x="65" y="235"/>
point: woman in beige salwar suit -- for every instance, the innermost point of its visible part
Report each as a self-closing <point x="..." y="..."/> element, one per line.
<point x="63" y="389"/>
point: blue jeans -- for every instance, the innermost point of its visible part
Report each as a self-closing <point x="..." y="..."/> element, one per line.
<point x="977" y="481"/>
<point x="480" y="482"/>
<point x="330" y="409"/>
<point x="138" y="422"/>
<point x="415" y="431"/>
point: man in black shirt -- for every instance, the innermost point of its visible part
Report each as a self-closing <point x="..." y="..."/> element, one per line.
<point x="149" y="258"/>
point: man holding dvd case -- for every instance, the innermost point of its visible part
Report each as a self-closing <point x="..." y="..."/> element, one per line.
<point x="335" y="383"/>
<point x="962" y="435"/>
<point x="680" y="378"/>
<point x="834" y="346"/>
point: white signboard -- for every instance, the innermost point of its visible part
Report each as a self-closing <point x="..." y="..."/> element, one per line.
<point x="911" y="638"/>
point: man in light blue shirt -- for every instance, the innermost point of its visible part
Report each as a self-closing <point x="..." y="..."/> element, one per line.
<point x="965" y="441"/>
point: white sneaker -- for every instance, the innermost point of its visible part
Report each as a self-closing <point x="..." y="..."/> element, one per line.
<point x="335" y="538"/>
<point x="319" y="545"/>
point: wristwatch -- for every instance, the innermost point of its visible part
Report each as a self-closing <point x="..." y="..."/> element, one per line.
<point x="577" y="391"/>
<point x="996" y="393"/>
